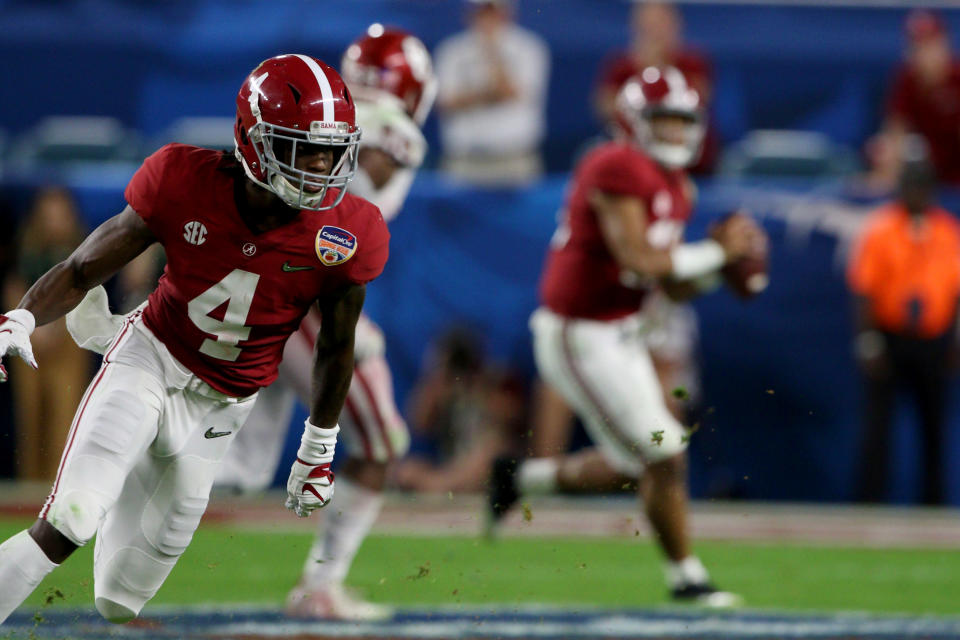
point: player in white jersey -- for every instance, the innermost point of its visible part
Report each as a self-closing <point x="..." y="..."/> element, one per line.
<point x="390" y="75"/>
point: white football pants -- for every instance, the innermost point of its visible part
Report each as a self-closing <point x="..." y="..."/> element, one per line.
<point x="604" y="371"/>
<point x="138" y="465"/>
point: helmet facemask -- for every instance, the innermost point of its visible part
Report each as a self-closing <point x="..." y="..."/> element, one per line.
<point x="278" y="148"/>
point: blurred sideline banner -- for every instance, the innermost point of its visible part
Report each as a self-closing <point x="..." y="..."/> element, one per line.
<point x="779" y="379"/>
<point x="149" y="63"/>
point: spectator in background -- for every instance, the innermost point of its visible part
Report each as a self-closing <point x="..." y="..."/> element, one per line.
<point x="470" y="410"/>
<point x="45" y="400"/>
<point x="657" y="41"/>
<point x="493" y="81"/>
<point x="905" y="278"/>
<point x="925" y="97"/>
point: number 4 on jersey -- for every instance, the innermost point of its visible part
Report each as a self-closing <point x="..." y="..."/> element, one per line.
<point x="237" y="290"/>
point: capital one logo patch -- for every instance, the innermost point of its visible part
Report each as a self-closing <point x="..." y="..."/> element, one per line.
<point x="194" y="232"/>
<point x="335" y="245"/>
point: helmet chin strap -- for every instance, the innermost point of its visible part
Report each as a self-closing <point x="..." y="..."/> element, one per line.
<point x="293" y="196"/>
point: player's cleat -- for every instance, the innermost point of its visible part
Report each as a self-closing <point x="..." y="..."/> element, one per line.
<point x="333" y="602"/>
<point x="706" y="595"/>
<point x="502" y="492"/>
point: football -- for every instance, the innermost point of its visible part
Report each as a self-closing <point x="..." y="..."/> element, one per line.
<point x="748" y="276"/>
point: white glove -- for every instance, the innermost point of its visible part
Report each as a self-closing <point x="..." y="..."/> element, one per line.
<point x="15" y="329"/>
<point x="310" y="485"/>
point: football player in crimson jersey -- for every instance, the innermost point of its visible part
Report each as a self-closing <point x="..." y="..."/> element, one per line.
<point x="253" y="240"/>
<point x="622" y="235"/>
<point x="389" y="73"/>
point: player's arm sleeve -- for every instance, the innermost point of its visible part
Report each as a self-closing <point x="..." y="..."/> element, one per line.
<point x="372" y="254"/>
<point x="147" y="190"/>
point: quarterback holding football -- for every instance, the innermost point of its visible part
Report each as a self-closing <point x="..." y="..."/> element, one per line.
<point x="621" y="236"/>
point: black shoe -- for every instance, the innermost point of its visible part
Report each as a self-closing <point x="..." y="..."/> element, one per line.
<point x="706" y="595"/>
<point x="502" y="492"/>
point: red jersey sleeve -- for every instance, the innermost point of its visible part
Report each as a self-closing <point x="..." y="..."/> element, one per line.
<point x="372" y="252"/>
<point x="146" y="191"/>
<point x="621" y="173"/>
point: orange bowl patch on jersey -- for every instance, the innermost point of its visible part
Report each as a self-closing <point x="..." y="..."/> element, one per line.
<point x="335" y="245"/>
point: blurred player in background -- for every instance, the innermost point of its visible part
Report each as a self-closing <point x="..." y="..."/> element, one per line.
<point x="391" y="77"/>
<point x="253" y="240"/>
<point x="621" y="236"/>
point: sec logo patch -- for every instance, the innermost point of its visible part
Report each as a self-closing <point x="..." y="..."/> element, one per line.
<point x="335" y="245"/>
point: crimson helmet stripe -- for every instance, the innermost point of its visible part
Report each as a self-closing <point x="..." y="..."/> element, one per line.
<point x="326" y="93"/>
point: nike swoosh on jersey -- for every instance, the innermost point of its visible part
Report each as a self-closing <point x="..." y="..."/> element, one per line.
<point x="210" y="433"/>
<point x="288" y="268"/>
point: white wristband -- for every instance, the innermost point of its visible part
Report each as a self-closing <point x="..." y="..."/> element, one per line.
<point x="317" y="445"/>
<point x="695" y="259"/>
<point x="24" y="317"/>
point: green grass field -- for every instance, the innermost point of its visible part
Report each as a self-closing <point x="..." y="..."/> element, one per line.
<point x="230" y="565"/>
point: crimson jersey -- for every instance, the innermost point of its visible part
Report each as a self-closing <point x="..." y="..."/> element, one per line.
<point x="581" y="278"/>
<point x="229" y="298"/>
